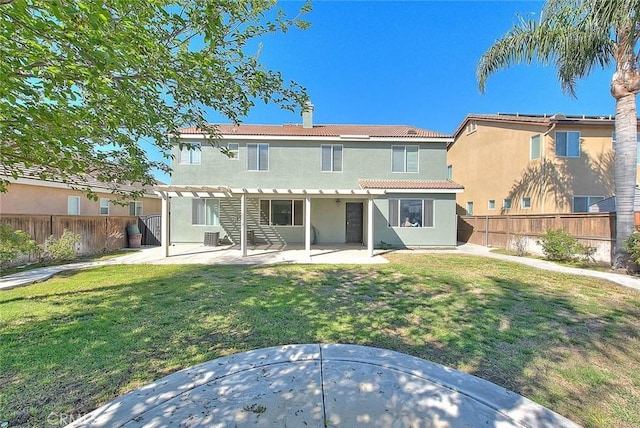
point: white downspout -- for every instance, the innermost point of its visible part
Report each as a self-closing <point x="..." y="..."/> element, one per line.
<point x="307" y="227"/>
<point x="243" y="224"/>
<point x="165" y="238"/>
<point x="370" y="226"/>
<point x="543" y="166"/>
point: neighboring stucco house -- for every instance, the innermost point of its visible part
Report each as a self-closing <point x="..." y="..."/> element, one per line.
<point x="29" y="195"/>
<point x="314" y="184"/>
<point x="532" y="164"/>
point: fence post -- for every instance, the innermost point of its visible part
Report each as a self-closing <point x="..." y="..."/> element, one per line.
<point x="486" y="231"/>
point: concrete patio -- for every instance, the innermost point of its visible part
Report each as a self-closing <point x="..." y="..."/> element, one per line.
<point x="197" y="253"/>
<point x="320" y="385"/>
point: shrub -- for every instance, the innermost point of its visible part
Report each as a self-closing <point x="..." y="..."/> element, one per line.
<point x="559" y="245"/>
<point x="63" y="248"/>
<point x="519" y="245"/>
<point x="14" y="243"/>
<point x="632" y="245"/>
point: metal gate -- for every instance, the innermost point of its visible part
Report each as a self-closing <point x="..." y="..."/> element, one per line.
<point x="150" y="227"/>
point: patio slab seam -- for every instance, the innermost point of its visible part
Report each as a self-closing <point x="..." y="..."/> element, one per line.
<point x="186" y="392"/>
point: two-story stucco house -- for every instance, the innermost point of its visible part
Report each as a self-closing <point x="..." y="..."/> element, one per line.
<point x="532" y="164"/>
<point x="314" y="184"/>
<point x="28" y="194"/>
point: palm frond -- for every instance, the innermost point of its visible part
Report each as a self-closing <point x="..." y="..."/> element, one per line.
<point x="568" y="35"/>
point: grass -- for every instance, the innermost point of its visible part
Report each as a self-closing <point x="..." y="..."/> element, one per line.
<point x="83" y="338"/>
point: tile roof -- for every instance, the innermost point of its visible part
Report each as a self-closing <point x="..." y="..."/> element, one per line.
<point x="537" y="119"/>
<point x="34" y="173"/>
<point x="410" y="184"/>
<point x="296" y="130"/>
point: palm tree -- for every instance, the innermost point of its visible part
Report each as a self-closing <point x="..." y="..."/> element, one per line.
<point x="576" y="36"/>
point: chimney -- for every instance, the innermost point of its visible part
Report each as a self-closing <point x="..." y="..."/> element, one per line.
<point x="307" y="115"/>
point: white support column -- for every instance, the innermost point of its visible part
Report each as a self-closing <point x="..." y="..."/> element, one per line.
<point x="164" y="226"/>
<point x="243" y="224"/>
<point x="307" y="226"/>
<point x="370" y="226"/>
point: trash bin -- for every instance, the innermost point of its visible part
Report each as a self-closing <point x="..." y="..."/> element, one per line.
<point x="212" y="238"/>
<point x="135" y="237"/>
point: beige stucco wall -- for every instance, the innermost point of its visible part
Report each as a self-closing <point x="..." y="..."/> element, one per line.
<point x="493" y="163"/>
<point x="32" y="199"/>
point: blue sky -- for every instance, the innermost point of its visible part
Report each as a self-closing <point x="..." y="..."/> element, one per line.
<point x="413" y="63"/>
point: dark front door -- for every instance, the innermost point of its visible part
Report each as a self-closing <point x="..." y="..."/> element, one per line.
<point x="354" y="222"/>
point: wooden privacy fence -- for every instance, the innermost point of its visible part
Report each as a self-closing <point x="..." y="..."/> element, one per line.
<point x="594" y="229"/>
<point x="98" y="232"/>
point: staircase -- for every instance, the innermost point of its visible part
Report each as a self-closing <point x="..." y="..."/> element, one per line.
<point x="230" y="215"/>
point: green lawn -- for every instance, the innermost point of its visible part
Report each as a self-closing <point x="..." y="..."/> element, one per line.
<point x="83" y="338"/>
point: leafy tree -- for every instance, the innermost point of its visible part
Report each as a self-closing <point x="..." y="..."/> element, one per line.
<point x="577" y="36"/>
<point x="83" y="82"/>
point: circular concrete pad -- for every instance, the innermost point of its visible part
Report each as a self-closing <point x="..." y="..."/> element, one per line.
<point x="322" y="386"/>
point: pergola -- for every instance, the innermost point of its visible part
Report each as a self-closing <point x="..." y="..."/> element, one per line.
<point x="166" y="192"/>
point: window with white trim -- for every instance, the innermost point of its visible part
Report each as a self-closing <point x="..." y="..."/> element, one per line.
<point x="613" y="146"/>
<point x="258" y="157"/>
<point x="506" y="204"/>
<point x="104" y="206"/>
<point x="525" y="203"/>
<point x="234" y="150"/>
<point x="73" y="205"/>
<point x="331" y="157"/>
<point x="281" y="212"/>
<point x="404" y="158"/>
<point x="190" y="155"/>
<point x="411" y="212"/>
<point x="567" y="144"/>
<point x="450" y="172"/>
<point x="135" y="208"/>
<point x="581" y="203"/>
<point x="205" y="212"/>
<point x="492" y="204"/>
<point x="470" y="208"/>
<point x="534" y="147"/>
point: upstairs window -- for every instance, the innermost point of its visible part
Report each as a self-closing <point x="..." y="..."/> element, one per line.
<point x="613" y="146"/>
<point x="568" y="144"/>
<point x="205" y="212"/>
<point x="104" y="206"/>
<point x="234" y="150"/>
<point x="190" y="156"/>
<point x="492" y="204"/>
<point x="525" y="203"/>
<point x="450" y="172"/>
<point x="73" y="205"/>
<point x="258" y="157"/>
<point x="331" y="157"/>
<point x="534" y="147"/>
<point x="506" y="204"/>
<point x="135" y="208"/>
<point x="470" y="208"/>
<point x="404" y="158"/>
